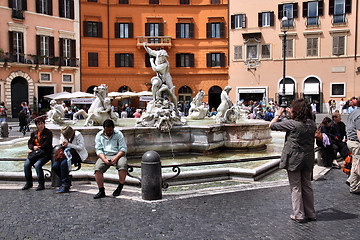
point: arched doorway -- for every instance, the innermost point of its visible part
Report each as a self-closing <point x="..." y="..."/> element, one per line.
<point x="290" y="90"/>
<point x="185" y="95"/>
<point x="91" y="89"/>
<point x="312" y="92"/>
<point x="214" y="97"/>
<point x="124" y="89"/>
<point x="19" y="94"/>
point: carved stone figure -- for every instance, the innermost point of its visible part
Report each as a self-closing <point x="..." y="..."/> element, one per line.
<point x="227" y="111"/>
<point x="56" y="113"/>
<point x="197" y="109"/>
<point x="162" y="83"/>
<point x="224" y="105"/>
<point x="243" y="111"/>
<point x="162" y="111"/>
<point x="100" y="109"/>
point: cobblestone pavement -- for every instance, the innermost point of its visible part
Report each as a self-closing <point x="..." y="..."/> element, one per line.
<point x="227" y="212"/>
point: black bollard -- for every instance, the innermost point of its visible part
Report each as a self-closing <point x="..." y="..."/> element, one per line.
<point x="151" y="177"/>
<point x="4" y="129"/>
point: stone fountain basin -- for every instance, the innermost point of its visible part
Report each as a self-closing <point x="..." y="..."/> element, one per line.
<point x="198" y="136"/>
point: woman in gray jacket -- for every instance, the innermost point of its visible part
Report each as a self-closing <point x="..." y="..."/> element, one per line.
<point x="298" y="157"/>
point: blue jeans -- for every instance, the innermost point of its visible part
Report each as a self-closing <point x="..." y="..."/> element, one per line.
<point x="62" y="170"/>
<point x="38" y="167"/>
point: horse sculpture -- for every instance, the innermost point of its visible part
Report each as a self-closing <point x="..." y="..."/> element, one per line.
<point x="56" y="113"/>
<point x="100" y="109"/>
<point x="197" y="109"/>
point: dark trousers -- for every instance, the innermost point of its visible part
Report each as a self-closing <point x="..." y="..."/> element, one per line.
<point x="62" y="168"/>
<point x="342" y="148"/>
<point x="38" y="167"/>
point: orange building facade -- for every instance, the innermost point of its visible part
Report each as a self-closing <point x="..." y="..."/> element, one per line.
<point x="194" y="33"/>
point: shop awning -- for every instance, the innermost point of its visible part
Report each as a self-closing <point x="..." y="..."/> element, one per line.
<point x="311" y="88"/>
<point x="289" y="89"/>
<point x="251" y="90"/>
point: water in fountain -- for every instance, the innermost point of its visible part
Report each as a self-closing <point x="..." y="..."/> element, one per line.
<point x="172" y="147"/>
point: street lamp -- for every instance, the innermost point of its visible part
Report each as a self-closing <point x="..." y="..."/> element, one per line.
<point x="284" y="28"/>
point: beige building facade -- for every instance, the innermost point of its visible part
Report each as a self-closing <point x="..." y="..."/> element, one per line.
<point x="39" y="51"/>
<point x="321" y="57"/>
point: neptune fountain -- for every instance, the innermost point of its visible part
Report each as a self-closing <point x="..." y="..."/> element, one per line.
<point x="162" y="129"/>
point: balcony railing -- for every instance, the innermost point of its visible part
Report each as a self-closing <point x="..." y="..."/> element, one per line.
<point x="39" y="60"/>
<point x="288" y="24"/>
<point x="159" y="41"/>
<point x="339" y="19"/>
<point x="312" y="21"/>
<point x="17" y="13"/>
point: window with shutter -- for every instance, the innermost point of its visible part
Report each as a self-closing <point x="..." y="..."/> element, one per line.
<point x="66" y="8"/>
<point x="92" y="59"/>
<point x="312" y="13"/>
<point x="184" y="59"/>
<point x="16" y="4"/>
<point x="147" y="60"/>
<point x="123" y="30"/>
<point x="312" y="47"/>
<point x="154" y="30"/>
<point x="239" y="21"/>
<point x="265" y="51"/>
<point x="214" y="60"/>
<point x="42" y="6"/>
<point x="92" y="29"/>
<point x="184" y="30"/>
<point x="338" y="45"/>
<point x="265" y="19"/>
<point x="237" y="52"/>
<point x="288" y="11"/>
<point x="339" y="11"/>
<point x="215" y="30"/>
<point x="123" y="60"/>
<point x="289" y="48"/>
<point x="66" y="55"/>
<point x="16" y="42"/>
<point x="73" y="60"/>
<point x="44" y="50"/>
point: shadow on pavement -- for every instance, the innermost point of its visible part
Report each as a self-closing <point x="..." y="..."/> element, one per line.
<point x="331" y="214"/>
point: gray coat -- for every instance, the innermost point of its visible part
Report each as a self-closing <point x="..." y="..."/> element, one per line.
<point x="298" y="152"/>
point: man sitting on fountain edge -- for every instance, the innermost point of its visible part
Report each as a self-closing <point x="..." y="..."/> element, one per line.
<point x="111" y="148"/>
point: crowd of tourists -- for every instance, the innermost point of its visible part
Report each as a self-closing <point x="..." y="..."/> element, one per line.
<point x="344" y="106"/>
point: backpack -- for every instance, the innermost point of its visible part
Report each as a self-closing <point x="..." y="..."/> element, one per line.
<point x="2" y="111"/>
<point x="348" y="164"/>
